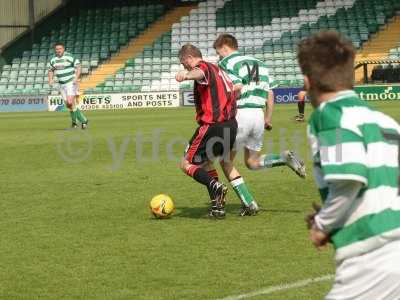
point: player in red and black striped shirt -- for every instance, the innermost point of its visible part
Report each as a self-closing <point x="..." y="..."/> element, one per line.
<point x="215" y="113"/>
<point x="214" y="97"/>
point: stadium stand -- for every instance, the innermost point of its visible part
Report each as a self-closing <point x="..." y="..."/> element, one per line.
<point x="92" y="36"/>
<point x="145" y="69"/>
<point x="135" y="47"/>
<point x="388" y="72"/>
<point x="267" y="29"/>
<point x="378" y="48"/>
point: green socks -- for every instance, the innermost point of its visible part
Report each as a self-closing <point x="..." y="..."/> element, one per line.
<point x="241" y="191"/>
<point x="81" y="117"/>
<point x="77" y="115"/>
<point x="73" y="116"/>
<point x="271" y="160"/>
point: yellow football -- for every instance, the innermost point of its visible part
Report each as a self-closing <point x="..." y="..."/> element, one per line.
<point x="162" y="206"/>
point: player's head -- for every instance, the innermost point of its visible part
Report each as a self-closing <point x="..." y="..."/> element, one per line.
<point x="59" y="48"/>
<point x="327" y="62"/>
<point x="225" y="44"/>
<point x="190" y="56"/>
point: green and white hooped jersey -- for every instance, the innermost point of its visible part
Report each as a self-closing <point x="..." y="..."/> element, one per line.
<point x="253" y="75"/>
<point x="351" y="141"/>
<point x="64" y="67"/>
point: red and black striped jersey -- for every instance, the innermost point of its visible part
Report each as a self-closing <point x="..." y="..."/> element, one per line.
<point x="214" y="96"/>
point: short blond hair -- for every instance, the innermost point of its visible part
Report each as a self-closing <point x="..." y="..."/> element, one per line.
<point x="189" y="49"/>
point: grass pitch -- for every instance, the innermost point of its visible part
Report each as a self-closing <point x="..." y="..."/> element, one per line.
<point x="75" y="223"/>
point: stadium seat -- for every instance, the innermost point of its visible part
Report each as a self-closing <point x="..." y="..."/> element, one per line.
<point x="92" y="36"/>
<point x="266" y="29"/>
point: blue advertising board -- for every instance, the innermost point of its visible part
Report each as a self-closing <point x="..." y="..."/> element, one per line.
<point x="23" y="103"/>
<point x="286" y="95"/>
<point x="281" y="95"/>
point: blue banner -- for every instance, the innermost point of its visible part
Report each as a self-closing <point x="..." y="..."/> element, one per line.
<point x="286" y="95"/>
<point x="23" y="103"/>
<point x="281" y="95"/>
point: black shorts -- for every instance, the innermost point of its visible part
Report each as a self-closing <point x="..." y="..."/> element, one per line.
<point x="211" y="141"/>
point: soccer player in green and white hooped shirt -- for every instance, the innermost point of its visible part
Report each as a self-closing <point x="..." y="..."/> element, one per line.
<point x="253" y="83"/>
<point x="356" y="166"/>
<point x="67" y="69"/>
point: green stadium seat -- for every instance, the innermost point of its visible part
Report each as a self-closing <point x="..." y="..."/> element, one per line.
<point x="119" y="76"/>
<point x="38" y="79"/>
<point x="89" y="38"/>
<point x="21" y="80"/>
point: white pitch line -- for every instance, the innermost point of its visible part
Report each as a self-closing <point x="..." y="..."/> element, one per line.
<point x="281" y="287"/>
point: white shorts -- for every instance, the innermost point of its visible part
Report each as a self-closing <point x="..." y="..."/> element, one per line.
<point x="68" y="89"/>
<point x="250" y="128"/>
<point x="372" y="276"/>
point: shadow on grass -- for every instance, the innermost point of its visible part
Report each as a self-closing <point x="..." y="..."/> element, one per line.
<point x="65" y="129"/>
<point x="57" y="129"/>
<point x="282" y="211"/>
<point x="201" y="212"/>
<point x="231" y="209"/>
<point x="191" y="212"/>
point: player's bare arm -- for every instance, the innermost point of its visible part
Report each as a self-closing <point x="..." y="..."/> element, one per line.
<point x="51" y="77"/>
<point x="238" y="90"/>
<point x="269" y="109"/>
<point x="194" y="74"/>
<point x="77" y="73"/>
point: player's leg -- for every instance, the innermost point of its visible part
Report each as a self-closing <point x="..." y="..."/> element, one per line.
<point x="227" y="150"/>
<point x="216" y="189"/>
<point x="72" y="90"/>
<point x="212" y="171"/>
<point x="69" y="104"/>
<point x="253" y="144"/>
<point x="255" y="160"/>
<point x="217" y="206"/>
<point x="300" y="107"/>
<point x="249" y="205"/>
<point x="251" y="136"/>
<point x="245" y="125"/>
<point x="196" y="165"/>
<point x="80" y="115"/>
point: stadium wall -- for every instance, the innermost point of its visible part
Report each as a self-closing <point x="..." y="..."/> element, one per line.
<point x="16" y="13"/>
<point x="48" y="20"/>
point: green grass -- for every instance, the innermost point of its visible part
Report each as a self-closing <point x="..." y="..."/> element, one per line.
<point x="83" y="230"/>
